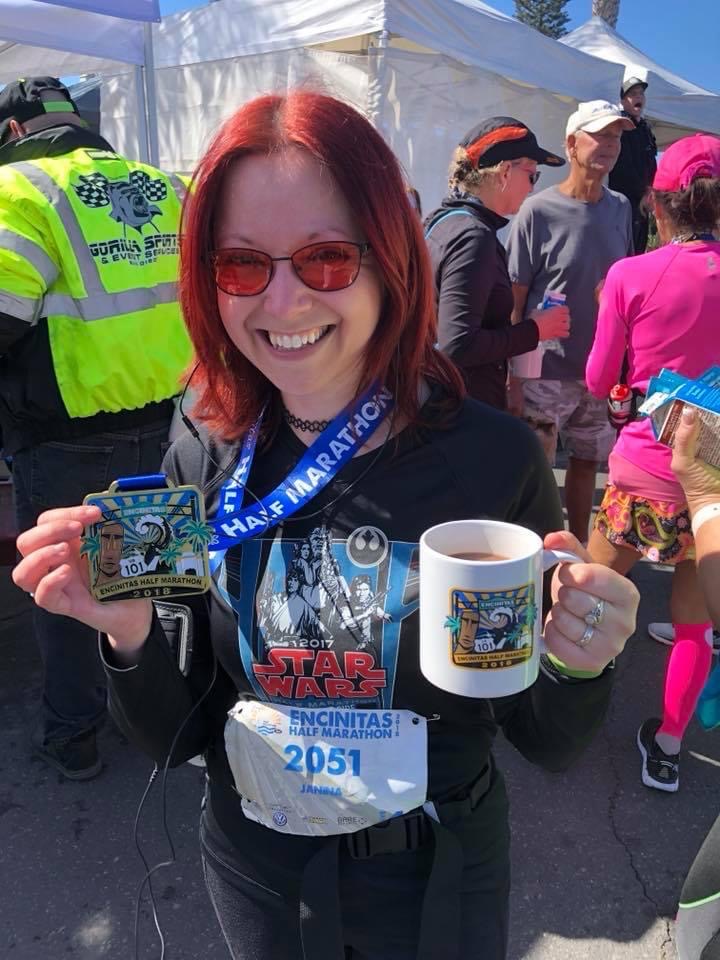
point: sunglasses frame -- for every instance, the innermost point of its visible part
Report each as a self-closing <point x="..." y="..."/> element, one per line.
<point x="362" y="248"/>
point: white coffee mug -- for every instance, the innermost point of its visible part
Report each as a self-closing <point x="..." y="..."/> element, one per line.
<point x="481" y="619"/>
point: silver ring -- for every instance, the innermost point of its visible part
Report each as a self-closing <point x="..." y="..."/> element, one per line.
<point x="595" y="616"/>
<point x="587" y="636"/>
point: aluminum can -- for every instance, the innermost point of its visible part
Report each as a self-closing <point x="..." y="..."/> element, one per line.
<point x="620" y="404"/>
<point x="552" y="299"/>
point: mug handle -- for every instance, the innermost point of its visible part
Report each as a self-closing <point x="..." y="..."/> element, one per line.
<point x="551" y="557"/>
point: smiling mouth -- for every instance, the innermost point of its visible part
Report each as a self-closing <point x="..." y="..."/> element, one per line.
<point x="296" y="341"/>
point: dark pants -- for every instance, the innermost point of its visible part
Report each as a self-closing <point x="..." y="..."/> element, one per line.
<point x="640" y="226"/>
<point x="60" y="475"/>
<point x="381" y="898"/>
<point x="697" y="934"/>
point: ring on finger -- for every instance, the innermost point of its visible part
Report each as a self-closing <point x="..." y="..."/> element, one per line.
<point x="595" y="616"/>
<point x="586" y="637"/>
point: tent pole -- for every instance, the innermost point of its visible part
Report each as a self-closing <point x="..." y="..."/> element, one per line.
<point x="150" y="97"/>
<point x="377" y="80"/>
<point x="141" y="115"/>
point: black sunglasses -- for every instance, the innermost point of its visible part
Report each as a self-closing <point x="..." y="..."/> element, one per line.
<point x="326" y="266"/>
<point x="532" y="177"/>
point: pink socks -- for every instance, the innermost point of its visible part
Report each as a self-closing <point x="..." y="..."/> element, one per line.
<point x="687" y="670"/>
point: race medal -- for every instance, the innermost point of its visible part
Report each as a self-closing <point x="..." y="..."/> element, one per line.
<point x="151" y="541"/>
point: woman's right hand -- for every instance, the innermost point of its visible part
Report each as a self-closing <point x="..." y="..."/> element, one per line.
<point x="56" y="575"/>
<point x="553" y="323"/>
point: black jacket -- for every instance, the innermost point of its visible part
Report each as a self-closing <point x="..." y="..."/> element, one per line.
<point x="446" y="472"/>
<point x="635" y="169"/>
<point x="31" y="408"/>
<point x="474" y="295"/>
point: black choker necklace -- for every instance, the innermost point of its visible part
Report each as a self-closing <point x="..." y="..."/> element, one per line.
<point x="309" y="426"/>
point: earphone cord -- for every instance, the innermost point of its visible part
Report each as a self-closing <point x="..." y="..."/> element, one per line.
<point x="147" y="879"/>
<point x="149" y="872"/>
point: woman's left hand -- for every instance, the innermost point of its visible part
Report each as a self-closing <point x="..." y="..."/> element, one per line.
<point x="577" y="589"/>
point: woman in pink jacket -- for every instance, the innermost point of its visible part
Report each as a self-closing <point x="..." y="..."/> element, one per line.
<point x="662" y="309"/>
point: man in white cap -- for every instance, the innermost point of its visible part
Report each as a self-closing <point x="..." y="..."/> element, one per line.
<point x="563" y="241"/>
<point x="636" y="166"/>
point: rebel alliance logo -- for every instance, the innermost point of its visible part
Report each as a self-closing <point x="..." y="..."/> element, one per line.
<point x="367" y="546"/>
<point x="130" y="201"/>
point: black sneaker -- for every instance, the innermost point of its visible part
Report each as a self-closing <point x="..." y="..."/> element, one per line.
<point x="75" y="757"/>
<point x="660" y="770"/>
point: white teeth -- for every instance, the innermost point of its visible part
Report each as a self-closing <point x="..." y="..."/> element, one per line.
<point x="283" y="341"/>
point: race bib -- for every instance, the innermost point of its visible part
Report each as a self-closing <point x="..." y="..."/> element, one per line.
<point x="322" y="771"/>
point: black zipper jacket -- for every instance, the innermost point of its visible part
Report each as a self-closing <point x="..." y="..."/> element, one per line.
<point x="443" y="471"/>
<point x="635" y="168"/>
<point x="474" y="295"/>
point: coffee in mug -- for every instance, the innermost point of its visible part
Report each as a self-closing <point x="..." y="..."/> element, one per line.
<point x="477" y="556"/>
<point x="481" y="606"/>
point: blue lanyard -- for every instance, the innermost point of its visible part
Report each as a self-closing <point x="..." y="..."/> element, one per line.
<point x="320" y="463"/>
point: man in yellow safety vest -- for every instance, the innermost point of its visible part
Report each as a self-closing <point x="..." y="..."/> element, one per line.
<point x="92" y="349"/>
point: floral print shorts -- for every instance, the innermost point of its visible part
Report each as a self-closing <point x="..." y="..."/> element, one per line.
<point x="655" y="528"/>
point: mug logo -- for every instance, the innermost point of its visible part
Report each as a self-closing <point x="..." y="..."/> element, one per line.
<point x="491" y="629"/>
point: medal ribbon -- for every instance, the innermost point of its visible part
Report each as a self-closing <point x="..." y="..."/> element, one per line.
<point x="318" y="466"/>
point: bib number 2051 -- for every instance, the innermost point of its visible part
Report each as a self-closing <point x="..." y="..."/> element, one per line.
<point x="334" y="761"/>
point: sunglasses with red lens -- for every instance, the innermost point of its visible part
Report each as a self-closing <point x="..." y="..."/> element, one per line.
<point x="326" y="266"/>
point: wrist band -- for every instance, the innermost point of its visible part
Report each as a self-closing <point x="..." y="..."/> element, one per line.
<point x="704" y="513"/>
<point x="559" y="671"/>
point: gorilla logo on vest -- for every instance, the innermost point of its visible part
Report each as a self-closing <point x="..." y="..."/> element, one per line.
<point x="130" y="200"/>
<point x="367" y="546"/>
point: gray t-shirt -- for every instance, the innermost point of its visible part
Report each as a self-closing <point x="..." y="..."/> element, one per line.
<point x="567" y="246"/>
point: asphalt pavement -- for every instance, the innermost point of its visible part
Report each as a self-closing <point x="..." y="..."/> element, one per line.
<point x="598" y="859"/>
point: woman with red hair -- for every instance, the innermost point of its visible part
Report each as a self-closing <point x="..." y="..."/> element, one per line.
<point x="308" y="294"/>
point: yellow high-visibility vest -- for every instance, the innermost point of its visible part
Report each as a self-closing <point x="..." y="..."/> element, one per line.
<point x="89" y="241"/>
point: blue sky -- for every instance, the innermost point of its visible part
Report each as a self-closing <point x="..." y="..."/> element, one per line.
<point x="682" y="35"/>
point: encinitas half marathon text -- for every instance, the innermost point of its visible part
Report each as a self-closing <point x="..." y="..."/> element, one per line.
<point x="341" y="724"/>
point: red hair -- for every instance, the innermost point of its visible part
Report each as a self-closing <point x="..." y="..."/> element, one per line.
<point x="231" y="390"/>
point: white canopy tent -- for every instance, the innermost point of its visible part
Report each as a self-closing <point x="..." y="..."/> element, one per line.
<point x="67" y="37"/>
<point x="126" y="9"/>
<point x="675" y="107"/>
<point x="423" y="71"/>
